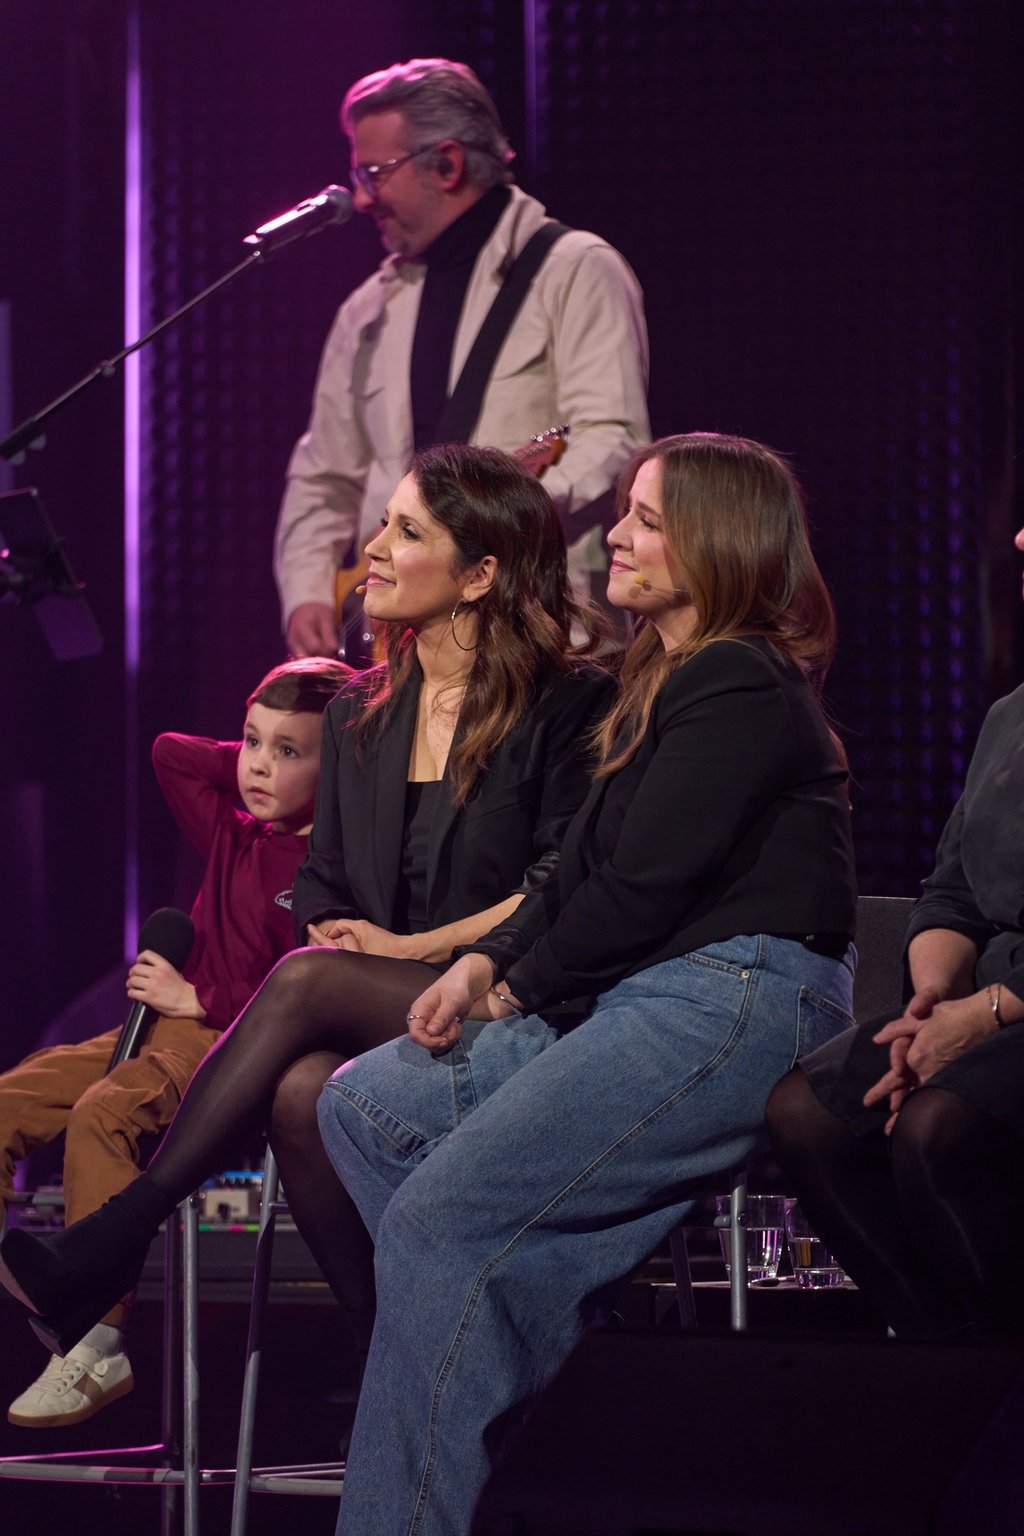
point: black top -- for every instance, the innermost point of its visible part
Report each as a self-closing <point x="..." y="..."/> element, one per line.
<point x="449" y="261"/>
<point x="732" y="818"/>
<point x="504" y="840"/>
<point x="421" y="805"/>
<point x="977" y="886"/>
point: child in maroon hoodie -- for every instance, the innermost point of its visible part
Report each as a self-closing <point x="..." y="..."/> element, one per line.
<point x="243" y="924"/>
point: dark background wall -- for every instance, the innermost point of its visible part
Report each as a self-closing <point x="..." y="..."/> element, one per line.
<point x="62" y="737"/>
<point x="821" y="200"/>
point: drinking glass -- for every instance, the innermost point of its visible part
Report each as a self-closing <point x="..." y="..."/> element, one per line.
<point x="765" y="1225"/>
<point x="814" y="1268"/>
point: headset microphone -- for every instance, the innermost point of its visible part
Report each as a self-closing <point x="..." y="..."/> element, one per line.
<point x="643" y="585"/>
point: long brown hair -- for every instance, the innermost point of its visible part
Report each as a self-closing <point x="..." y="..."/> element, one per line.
<point x="491" y="505"/>
<point x="735" y="521"/>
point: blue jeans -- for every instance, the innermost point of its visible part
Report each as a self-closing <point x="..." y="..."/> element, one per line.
<point x="508" y="1180"/>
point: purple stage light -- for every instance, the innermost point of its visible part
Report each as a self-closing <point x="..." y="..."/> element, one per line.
<point x="132" y="463"/>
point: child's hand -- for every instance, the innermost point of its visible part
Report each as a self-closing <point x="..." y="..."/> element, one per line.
<point x="154" y="981"/>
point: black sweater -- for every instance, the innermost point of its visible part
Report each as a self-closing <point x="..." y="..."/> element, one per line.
<point x="732" y="818"/>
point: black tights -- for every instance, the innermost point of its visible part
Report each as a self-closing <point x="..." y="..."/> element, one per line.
<point x="929" y="1222"/>
<point x="316" y="1009"/>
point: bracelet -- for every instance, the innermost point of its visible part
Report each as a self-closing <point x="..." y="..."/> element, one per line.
<point x="506" y="1000"/>
<point x="995" y="992"/>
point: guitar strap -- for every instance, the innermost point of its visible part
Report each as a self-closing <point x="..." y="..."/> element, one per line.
<point x="462" y="409"/>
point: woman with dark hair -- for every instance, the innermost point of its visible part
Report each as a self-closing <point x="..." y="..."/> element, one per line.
<point x="448" y="777"/>
<point x="903" y="1136"/>
<point x="702" y="905"/>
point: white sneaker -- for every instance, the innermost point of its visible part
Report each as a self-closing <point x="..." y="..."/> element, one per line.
<point x="73" y="1388"/>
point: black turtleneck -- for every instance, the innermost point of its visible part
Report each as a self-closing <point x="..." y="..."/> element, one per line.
<point x="449" y="262"/>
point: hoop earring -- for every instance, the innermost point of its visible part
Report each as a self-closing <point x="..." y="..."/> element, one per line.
<point x="455" y="637"/>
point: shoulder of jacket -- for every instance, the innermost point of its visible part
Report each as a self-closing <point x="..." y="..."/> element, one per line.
<point x="1008" y="709"/>
<point x="727" y="663"/>
<point x="1000" y="727"/>
<point x="522" y="219"/>
<point x="553" y="689"/>
<point x="577" y="242"/>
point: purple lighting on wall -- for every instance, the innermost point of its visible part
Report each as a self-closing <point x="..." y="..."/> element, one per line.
<point x="530" y="24"/>
<point x="132" y="462"/>
<point x="6" y="371"/>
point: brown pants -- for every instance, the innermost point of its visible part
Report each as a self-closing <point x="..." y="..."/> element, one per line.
<point x="67" y="1088"/>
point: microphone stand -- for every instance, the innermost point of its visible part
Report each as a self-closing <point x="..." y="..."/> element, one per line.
<point x="33" y="568"/>
<point x="30" y="434"/>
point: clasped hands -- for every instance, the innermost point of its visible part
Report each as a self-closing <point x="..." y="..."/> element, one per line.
<point x="355" y="933"/>
<point x="464" y="991"/>
<point x="930" y="1033"/>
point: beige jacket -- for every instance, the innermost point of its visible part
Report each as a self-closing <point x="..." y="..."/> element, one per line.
<point x="576" y="353"/>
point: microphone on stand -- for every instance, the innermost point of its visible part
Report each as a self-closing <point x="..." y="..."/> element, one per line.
<point x="170" y="934"/>
<point x="331" y="206"/>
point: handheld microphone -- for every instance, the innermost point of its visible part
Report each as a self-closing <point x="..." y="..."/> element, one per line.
<point x="171" y="934"/>
<point x="331" y="206"/>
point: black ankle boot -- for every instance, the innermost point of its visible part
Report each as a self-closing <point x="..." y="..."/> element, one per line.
<point x="70" y="1279"/>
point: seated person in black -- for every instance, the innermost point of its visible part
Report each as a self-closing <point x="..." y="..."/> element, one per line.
<point x="905" y="1142"/>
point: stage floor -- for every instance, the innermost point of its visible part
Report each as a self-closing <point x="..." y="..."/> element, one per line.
<point x="309" y="1383"/>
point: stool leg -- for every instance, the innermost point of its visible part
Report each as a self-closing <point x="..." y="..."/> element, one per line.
<point x="738" y="1250"/>
<point x="683" y="1278"/>
<point x="170" y="1397"/>
<point x="190" y="1375"/>
<point x="254" y="1345"/>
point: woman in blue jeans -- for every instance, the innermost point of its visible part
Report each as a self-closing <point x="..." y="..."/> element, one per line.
<point x="568" y="1086"/>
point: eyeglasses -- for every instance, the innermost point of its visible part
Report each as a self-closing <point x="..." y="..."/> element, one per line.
<point x="369" y="177"/>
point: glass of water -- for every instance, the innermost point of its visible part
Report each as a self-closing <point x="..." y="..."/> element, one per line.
<point x="765" y="1225"/>
<point x="814" y="1268"/>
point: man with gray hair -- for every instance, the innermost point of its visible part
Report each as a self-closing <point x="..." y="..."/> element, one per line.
<point x="431" y="165"/>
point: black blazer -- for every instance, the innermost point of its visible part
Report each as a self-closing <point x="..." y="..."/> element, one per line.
<point x="732" y="818"/>
<point x="502" y="841"/>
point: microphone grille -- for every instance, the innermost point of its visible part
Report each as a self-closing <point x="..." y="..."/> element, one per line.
<point x="171" y="933"/>
<point x="340" y="199"/>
